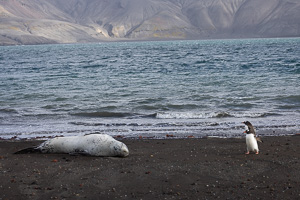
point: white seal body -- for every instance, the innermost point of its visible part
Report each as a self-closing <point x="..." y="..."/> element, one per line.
<point x="251" y="143"/>
<point x="93" y="144"/>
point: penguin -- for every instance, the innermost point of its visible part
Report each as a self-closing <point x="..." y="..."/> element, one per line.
<point x="251" y="138"/>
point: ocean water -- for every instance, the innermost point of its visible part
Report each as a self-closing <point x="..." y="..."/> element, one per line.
<point x="151" y="89"/>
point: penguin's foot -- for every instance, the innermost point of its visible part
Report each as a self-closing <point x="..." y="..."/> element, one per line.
<point x="256" y="153"/>
<point x="247" y="152"/>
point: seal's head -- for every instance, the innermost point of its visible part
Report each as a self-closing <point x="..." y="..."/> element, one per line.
<point x="121" y="150"/>
<point x="124" y="150"/>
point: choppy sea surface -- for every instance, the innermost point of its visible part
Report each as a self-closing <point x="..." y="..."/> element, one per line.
<point x="151" y="89"/>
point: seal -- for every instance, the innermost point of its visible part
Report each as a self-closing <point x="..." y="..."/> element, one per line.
<point x="92" y="145"/>
<point x="251" y="139"/>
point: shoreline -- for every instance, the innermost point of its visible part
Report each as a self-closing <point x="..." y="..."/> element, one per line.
<point x="151" y="40"/>
<point x="186" y="168"/>
<point x="149" y="137"/>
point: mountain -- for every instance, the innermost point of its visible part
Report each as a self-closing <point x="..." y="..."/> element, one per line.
<point x="79" y="21"/>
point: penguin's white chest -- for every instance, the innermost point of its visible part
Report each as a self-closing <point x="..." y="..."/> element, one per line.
<point x="251" y="143"/>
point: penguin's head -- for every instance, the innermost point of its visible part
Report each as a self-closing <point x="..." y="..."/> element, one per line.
<point x="247" y="123"/>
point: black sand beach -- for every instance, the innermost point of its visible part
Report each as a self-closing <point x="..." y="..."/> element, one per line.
<point x="189" y="168"/>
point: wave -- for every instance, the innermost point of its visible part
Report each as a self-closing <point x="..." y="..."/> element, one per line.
<point x="154" y="107"/>
<point x="289" y="107"/>
<point x="289" y="100"/>
<point x="156" y="115"/>
<point x="189" y="115"/>
<point x="174" y="115"/>
<point x="8" y="110"/>
<point x="103" y="114"/>
<point x="113" y="115"/>
<point x="255" y="115"/>
<point x="93" y="66"/>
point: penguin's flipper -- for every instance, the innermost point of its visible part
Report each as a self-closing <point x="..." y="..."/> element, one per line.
<point x="258" y="139"/>
<point x="29" y="150"/>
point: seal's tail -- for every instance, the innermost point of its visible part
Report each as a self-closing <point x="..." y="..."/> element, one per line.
<point x="28" y="150"/>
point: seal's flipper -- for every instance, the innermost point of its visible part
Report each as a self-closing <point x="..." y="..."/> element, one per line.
<point x="79" y="152"/>
<point x="29" y="150"/>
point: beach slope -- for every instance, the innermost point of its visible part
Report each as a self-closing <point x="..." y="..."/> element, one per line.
<point x="156" y="169"/>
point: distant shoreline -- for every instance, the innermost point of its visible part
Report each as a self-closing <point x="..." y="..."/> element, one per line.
<point x="150" y="40"/>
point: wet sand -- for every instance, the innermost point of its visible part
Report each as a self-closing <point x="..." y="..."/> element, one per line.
<point x="157" y="169"/>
